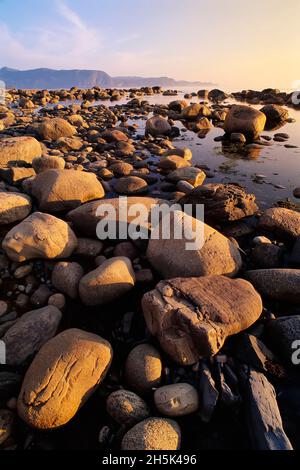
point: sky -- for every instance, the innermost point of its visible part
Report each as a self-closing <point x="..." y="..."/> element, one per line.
<point x="232" y="43"/>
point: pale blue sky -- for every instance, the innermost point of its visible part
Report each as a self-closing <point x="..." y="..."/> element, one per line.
<point x="233" y="43"/>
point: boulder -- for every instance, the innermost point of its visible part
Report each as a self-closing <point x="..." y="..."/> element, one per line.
<point x="281" y="221"/>
<point x="217" y="95"/>
<point x="13" y="207"/>
<point x="245" y="120"/>
<point x="18" y="149"/>
<point x="178" y="105"/>
<point x="284" y="334"/>
<point x="113" y="279"/>
<point x="157" y="125"/>
<point x="153" y="434"/>
<point x="222" y="202"/>
<point x="184" y="153"/>
<point x="66" y="277"/>
<point x="191" y="318"/>
<point x="85" y="217"/>
<point x="114" y="136"/>
<point x="48" y="162"/>
<point x="192" y="175"/>
<point x="131" y="185"/>
<point x="275" y="114"/>
<point x="143" y="368"/>
<point x="195" y="111"/>
<point x="216" y="254"/>
<point x="39" y="236"/>
<point x="278" y="284"/>
<point x="30" y="333"/>
<point x="173" y="162"/>
<point x="176" y="400"/>
<point x="53" y="129"/>
<point x="16" y="175"/>
<point x="61" y="190"/>
<point x="61" y="378"/>
<point x="126" y="407"/>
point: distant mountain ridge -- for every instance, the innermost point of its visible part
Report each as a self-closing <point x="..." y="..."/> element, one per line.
<point x="50" y="79"/>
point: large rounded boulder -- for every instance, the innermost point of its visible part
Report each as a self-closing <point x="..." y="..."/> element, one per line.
<point x="245" y="120"/>
<point x="63" y="375"/>
<point x="40" y="236"/>
<point x="62" y="190"/>
<point x="192" y="317"/>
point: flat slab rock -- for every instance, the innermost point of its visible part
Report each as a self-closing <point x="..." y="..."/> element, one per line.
<point x="192" y="317"/>
<point x="222" y="202"/>
<point x="263" y="415"/>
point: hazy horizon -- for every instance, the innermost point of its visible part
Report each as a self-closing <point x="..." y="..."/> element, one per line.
<point x="221" y="43"/>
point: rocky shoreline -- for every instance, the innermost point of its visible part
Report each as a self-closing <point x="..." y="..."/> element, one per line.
<point x="143" y="345"/>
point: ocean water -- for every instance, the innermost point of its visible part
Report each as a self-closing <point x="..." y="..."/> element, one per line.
<point x="280" y="166"/>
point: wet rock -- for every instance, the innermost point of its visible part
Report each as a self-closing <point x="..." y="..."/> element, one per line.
<point x="173" y="162"/>
<point x="217" y="95"/>
<point x="184" y="153"/>
<point x="61" y="378"/>
<point x="48" y="162"/>
<point x="215" y="254"/>
<point x="157" y="125"/>
<point x="245" y="120"/>
<point x="13" y="207"/>
<point x="53" y="129"/>
<point x="126" y="407"/>
<point x="61" y="190"/>
<point x="113" y="279"/>
<point x="40" y="236"/>
<point x="296" y="193"/>
<point x="143" y="368"/>
<point x="18" y="149"/>
<point x="191" y="318"/>
<point x="192" y="175"/>
<point x="30" y="333"/>
<point x="153" y="434"/>
<point x="222" y="202"/>
<point x="195" y="111"/>
<point x="275" y="114"/>
<point x="281" y="221"/>
<point x="66" y="277"/>
<point x="178" y="105"/>
<point x="278" y="284"/>
<point x="176" y="400"/>
<point x="131" y="185"/>
<point x="237" y="137"/>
